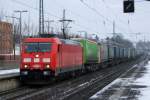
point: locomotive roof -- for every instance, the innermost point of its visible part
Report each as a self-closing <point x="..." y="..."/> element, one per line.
<point x="53" y="40"/>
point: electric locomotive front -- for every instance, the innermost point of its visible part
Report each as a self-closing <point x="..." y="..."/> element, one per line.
<point x="38" y="59"/>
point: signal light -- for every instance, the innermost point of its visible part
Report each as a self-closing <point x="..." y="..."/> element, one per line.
<point x="128" y="6"/>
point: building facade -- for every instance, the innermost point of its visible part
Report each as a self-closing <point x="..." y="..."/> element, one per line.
<point x="6" y="38"/>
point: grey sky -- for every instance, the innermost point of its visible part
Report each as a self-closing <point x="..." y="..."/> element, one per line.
<point x="86" y="19"/>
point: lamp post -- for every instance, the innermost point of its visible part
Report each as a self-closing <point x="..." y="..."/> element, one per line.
<point x="20" y="13"/>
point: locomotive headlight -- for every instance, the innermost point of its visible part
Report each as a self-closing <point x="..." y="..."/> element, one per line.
<point x="47" y="66"/>
<point x="25" y="66"/>
<point x="26" y="60"/>
<point x="46" y="60"/>
<point x="37" y="56"/>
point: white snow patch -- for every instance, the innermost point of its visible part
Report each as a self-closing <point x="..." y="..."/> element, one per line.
<point x="12" y="71"/>
<point x="144" y="80"/>
<point x="145" y="94"/>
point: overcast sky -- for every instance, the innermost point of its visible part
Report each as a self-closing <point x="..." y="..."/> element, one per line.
<point x="99" y="21"/>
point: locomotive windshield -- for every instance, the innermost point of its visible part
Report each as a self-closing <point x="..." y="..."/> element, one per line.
<point x="37" y="47"/>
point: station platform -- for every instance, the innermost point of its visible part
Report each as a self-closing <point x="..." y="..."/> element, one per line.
<point x="4" y="74"/>
<point x="9" y="68"/>
<point x="132" y="85"/>
<point x="9" y="64"/>
<point x="10" y="71"/>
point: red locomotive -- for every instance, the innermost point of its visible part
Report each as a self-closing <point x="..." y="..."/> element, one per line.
<point x="45" y="58"/>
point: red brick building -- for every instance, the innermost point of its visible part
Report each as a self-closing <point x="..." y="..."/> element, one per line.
<point x="6" y="38"/>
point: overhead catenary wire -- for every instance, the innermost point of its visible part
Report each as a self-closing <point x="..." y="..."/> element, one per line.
<point x="98" y="13"/>
<point x="48" y="13"/>
<point x="90" y="8"/>
<point x="72" y="12"/>
<point x="114" y="13"/>
<point x="37" y="9"/>
<point x="77" y="15"/>
<point x="24" y="4"/>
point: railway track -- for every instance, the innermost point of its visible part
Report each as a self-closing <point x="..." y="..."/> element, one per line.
<point x="79" y="88"/>
<point x="86" y="92"/>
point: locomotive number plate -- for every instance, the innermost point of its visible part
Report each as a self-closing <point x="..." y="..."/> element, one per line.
<point x="36" y="66"/>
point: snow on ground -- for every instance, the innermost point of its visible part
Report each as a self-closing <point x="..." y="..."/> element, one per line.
<point x="119" y="80"/>
<point x="135" y="86"/>
<point x="11" y="71"/>
<point x="145" y="81"/>
<point x="98" y="94"/>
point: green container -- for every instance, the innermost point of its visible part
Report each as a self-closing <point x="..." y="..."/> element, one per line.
<point x="90" y="50"/>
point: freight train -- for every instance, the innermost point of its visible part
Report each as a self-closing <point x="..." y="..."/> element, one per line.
<point x="43" y="59"/>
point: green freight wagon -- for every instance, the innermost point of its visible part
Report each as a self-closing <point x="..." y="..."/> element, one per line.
<point x="90" y="50"/>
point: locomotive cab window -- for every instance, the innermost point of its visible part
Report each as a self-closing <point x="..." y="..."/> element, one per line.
<point x="37" y="47"/>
